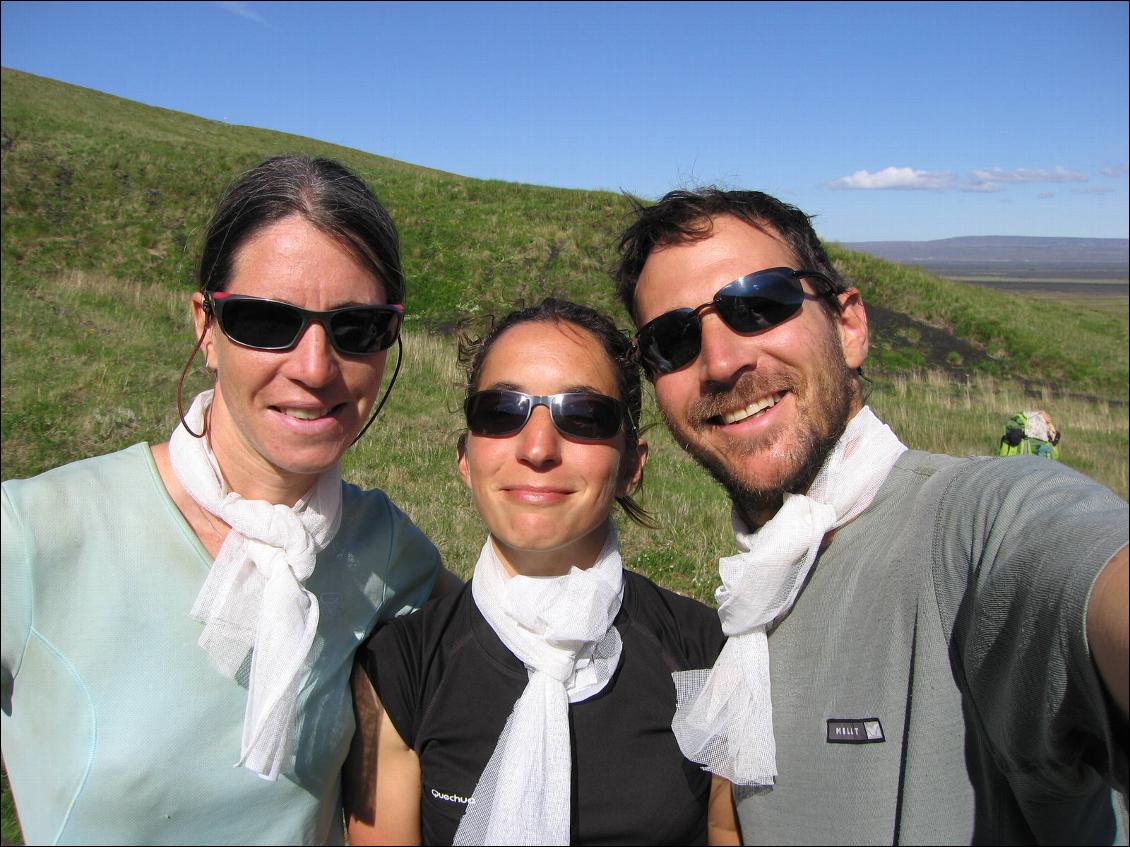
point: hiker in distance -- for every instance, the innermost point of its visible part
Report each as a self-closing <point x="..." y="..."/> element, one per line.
<point x="922" y="648"/>
<point x="172" y="610"/>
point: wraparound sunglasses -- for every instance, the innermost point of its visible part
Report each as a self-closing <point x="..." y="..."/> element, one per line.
<point x="578" y="414"/>
<point x="752" y="303"/>
<point x="274" y="325"/>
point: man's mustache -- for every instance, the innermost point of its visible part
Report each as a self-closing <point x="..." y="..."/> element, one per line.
<point x="749" y="387"/>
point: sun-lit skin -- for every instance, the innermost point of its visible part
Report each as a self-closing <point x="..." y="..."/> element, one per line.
<point x="752" y="406"/>
<point x="281" y="418"/>
<point x="546" y="497"/>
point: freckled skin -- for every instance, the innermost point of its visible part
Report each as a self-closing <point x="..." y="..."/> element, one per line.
<point x="808" y="360"/>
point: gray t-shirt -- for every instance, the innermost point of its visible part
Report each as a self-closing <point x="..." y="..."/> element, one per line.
<point x="933" y="684"/>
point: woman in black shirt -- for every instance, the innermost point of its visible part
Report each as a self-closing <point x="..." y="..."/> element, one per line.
<point x="535" y="705"/>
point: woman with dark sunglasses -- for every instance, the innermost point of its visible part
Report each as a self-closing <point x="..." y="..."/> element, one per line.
<point x="535" y="705"/>
<point x="170" y="611"/>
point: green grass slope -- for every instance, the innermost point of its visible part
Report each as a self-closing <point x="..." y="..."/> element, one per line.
<point x="100" y="184"/>
<point x="104" y="200"/>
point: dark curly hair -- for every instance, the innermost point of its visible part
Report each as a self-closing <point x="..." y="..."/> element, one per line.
<point x="682" y="216"/>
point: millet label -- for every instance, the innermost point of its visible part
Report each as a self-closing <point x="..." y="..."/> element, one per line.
<point x="855" y="731"/>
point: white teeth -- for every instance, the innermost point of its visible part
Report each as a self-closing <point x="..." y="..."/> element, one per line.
<point x="752" y="409"/>
<point x="305" y="414"/>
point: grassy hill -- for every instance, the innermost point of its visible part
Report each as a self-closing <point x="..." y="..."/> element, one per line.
<point x="103" y="203"/>
<point x="104" y="200"/>
<point x="110" y="186"/>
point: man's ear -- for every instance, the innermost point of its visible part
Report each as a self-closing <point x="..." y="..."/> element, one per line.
<point x="852" y="324"/>
<point x="632" y="475"/>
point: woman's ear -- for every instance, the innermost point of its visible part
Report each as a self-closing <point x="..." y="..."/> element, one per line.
<point x="461" y="452"/>
<point x="202" y="322"/>
<point x="631" y="474"/>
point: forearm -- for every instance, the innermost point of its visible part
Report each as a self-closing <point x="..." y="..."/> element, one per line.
<point x="1108" y="612"/>
<point x="722" y="819"/>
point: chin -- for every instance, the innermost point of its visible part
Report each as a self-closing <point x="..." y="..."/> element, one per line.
<point x="309" y="465"/>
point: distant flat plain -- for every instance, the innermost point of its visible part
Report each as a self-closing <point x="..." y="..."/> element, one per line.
<point x="1102" y="283"/>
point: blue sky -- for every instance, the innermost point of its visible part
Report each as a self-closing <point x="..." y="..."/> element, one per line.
<point x="886" y="120"/>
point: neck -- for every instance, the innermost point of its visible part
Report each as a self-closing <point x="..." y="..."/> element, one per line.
<point x="757" y="514"/>
<point x="757" y="507"/>
<point x="582" y="553"/>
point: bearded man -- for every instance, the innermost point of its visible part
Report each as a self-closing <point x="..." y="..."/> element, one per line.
<point x="922" y="648"/>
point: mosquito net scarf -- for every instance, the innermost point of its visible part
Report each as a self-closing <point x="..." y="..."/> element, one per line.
<point x="254" y="599"/>
<point x="561" y="628"/>
<point x="724" y="715"/>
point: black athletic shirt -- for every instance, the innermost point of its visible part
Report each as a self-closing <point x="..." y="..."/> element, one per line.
<point x="448" y="684"/>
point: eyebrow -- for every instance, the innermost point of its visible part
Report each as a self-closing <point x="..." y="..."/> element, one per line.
<point x="513" y="386"/>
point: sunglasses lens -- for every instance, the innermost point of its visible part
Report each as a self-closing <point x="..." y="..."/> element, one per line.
<point x="670" y="341"/>
<point x="587" y="416"/>
<point x="496" y="412"/>
<point x="759" y="301"/>
<point x="360" y="330"/>
<point x="755" y="302"/>
<point x="261" y="323"/>
<point x="591" y="416"/>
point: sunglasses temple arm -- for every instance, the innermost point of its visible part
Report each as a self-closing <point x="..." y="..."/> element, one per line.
<point x="184" y="372"/>
<point x="392" y="382"/>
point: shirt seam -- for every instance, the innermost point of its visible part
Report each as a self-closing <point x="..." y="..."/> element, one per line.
<point x="29" y="563"/>
<point x="93" y="747"/>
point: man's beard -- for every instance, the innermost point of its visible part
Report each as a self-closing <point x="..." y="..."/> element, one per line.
<point x="829" y="397"/>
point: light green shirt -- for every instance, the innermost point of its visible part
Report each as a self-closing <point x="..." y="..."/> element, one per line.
<point x="116" y="727"/>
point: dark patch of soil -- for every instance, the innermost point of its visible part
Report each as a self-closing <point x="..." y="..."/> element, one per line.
<point x="936" y="348"/>
<point x="940" y="350"/>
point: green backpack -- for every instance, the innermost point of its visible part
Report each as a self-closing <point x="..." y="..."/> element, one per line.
<point x="1030" y="434"/>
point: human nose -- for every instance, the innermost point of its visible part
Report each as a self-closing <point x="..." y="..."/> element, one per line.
<point x="313" y="360"/>
<point x="539" y="442"/>
<point x="724" y="355"/>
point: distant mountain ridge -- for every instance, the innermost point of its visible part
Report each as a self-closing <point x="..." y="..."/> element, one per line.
<point x="1013" y="249"/>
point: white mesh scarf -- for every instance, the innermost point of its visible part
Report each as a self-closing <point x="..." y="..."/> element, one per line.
<point x="561" y="628"/>
<point x="254" y="598"/>
<point x="724" y="716"/>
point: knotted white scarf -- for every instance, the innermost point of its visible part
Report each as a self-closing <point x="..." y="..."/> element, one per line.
<point x="561" y="628"/>
<point x="724" y="716"/>
<point x="254" y="598"/>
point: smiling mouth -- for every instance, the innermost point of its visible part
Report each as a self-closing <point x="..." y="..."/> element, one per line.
<point x="534" y="489"/>
<point x="755" y="408"/>
<point x="308" y="414"/>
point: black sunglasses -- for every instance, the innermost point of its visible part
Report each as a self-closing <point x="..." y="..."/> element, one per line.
<point x="751" y="303"/>
<point x="579" y="414"/>
<point x="274" y="325"/>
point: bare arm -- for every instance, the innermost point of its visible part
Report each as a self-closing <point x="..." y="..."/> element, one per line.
<point x="1107" y="629"/>
<point x="722" y="819"/>
<point x="381" y="780"/>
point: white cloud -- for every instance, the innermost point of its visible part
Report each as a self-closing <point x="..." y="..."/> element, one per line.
<point x="981" y="187"/>
<point x="1000" y="175"/>
<point x="899" y="178"/>
<point x="1114" y="170"/>
<point x="1093" y="189"/>
<point x="241" y="8"/>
